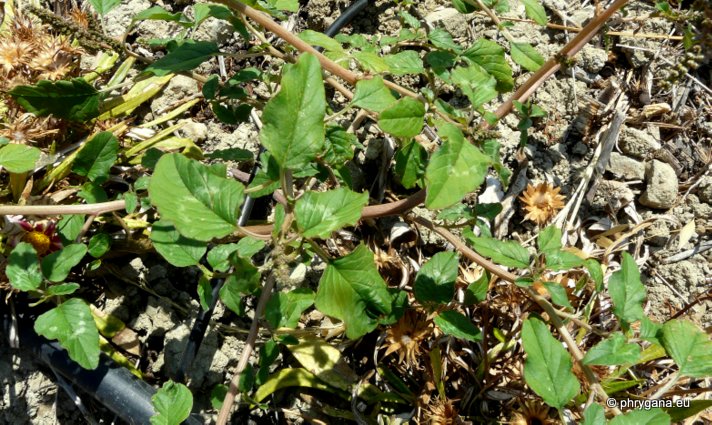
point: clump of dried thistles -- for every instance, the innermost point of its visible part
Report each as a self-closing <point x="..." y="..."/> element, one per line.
<point x="542" y="202"/>
<point x="30" y="53"/>
<point x="407" y="336"/>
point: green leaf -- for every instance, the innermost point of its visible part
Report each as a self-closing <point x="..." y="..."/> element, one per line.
<point x="535" y="11"/>
<point x="594" y="415"/>
<point x="18" y="158"/>
<point x="456" y="324"/>
<point x="231" y="154"/>
<point x="268" y="354"/>
<point x="69" y="227"/>
<point x="562" y="260"/>
<point x="57" y="265"/>
<point x="184" y="57"/>
<point x="435" y="281"/>
<point x="371" y="62"/>
<point x="455" y="169"/>
<point x="613" y="351"/>
<point x="352" y="290"/>
<point x="99" y="245"/>
<point x="655" y="416"/>
<point x="174" y="247"/>
<point x="476" y="83"/>
<point x="325" y="362"/>
<point x="476" y="291"/>
<point x="293" y="129"/>
<point x="202" y="11"/>
<point x="411" y="161"/>
<point x="157" y="13"/>
<point x="443" y="40"/>
<point x="689" y="346"/>
<point x="463" y="7"/>
<point x="74" y="100"/>
<point x="526" y="56"/>
<point x="103" y="7"/>
<point x="72" y="324"/>
<point x="320" y="213"/>
<point x="320" y="39"/>
<point x="406" y="62"/>
<point x="200" y="204"/>
<point x="506" y="253"/>
<point x="627" y="292"/>
<point x="594" y="270"/>
<point x="217" y="395"/>
<point x="95" y="158"/>
<point x="244" y="280"/>
<point x="490" y="56"/>
<point x="558" y="294"/>
<point x="290" y="377"/>
<point x="678" y="414"/>
<point x="549" y="239"/>
<point x="172" y="404"/>
<point x="339" y="145"/>
<point x="23" y="268"/>
<point x="61" y="289"/>
<point x="372" y="94"/>
<point x="403" y="119"/>
<point x="267" y="177"/>
<point x="547" y="369"/>
<point x="285" y="308"/>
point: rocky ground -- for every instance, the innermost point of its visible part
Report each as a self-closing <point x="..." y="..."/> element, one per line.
<point x="655" y="193"/>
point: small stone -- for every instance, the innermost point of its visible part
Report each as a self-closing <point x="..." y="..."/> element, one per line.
<point x="637" y="143"/>
<point x="196" y="131"/>
<point x="661" y="192"/>
<point x="178" y="88"/>
<point x="213" y="29"/>
<point x="658" y="233"/>
<point x="612" y="195"/>
<point x="628" y="168"/>
<point x="593" y="59"/>
<point x="704" y="190"/>
<point x="449" y="18"/>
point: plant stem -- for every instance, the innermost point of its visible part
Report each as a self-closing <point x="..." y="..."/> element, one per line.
<point x="92" y="209"/>
<point x="224" y="414"/>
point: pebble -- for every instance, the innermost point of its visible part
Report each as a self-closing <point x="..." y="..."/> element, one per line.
<point x="661" y="192"/>
<point x="625" y="167"/>
<point x="637" y="143"/>
<point x="450" y="19"/>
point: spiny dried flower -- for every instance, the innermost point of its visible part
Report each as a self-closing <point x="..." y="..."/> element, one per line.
<point x="532" y="413"/>
<point x="542" y="202"/>
<point x="443" y="412"/>
<point x="80" y="17"/>
<point x="42" y="237"/>
<point x="27" y="128"/>
<point x="14" y="54"/>
<point x="407" y="335"/>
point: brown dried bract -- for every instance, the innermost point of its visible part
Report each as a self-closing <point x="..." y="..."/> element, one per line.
<point x="542" y="202"/>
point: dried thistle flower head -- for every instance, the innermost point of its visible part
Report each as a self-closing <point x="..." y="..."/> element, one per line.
<point x="442" y="412"/>
<point x="14" y="54"/>
<point x="542" y="202"/>
<point x="532" y="413"/>
<point x="407" y="335"/>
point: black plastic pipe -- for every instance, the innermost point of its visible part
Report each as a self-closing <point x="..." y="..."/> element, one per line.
<point x="110" y="384"/>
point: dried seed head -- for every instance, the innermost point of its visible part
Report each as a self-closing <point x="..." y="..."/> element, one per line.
<point x="532" y="413"/>
<point x="407" y="335"/>
<point x="542" y="202"/>
<point x="443" y="412"/>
